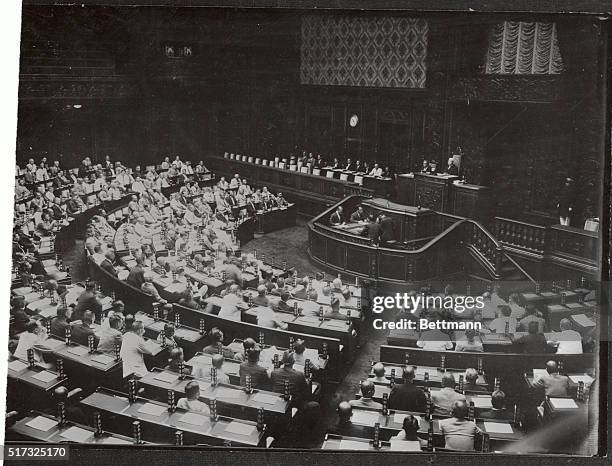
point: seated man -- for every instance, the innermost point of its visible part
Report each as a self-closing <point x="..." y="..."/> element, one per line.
<point x="261" y="298"/>
<point x="534" y="341"/>
<point x="111" y="336"/>
<point x="498" y="409"/>
<point x="82" y="331"/>
<point x="167" y="338"/>
<point x="301" y="354"/>
<point x="459" y="433"/>
<point x="283" y="304"/>
<point x="174" y="362"/>
<point x="470" y="342"/>
<point x="251" y="367"/>
<point x="407" y="439"/>
<point x="367" y="392"/>
<point x="434" y="340"/>
<point x="337" y="217"/>
<point x="532" y="316"/>
<point x="191" y="401"/>
<point x="205" y="373"/>
<point x="298" y="388"/>
<point x="553" y="383"/>
<point x="267" y="318"/>
<point x="471" y="381"/>
<point x="216" y="345"/>
<point x="359" y="215"/>
<point x="379" y="374"/>
<point x="407" y="396"/>
<point x="444" y="399"/>
<point x="335" y="311"/>
<point x="149" y="288"/>
<point x="503" y="321"/>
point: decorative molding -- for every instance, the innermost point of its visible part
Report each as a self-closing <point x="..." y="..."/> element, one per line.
<point x="506" y="88"/>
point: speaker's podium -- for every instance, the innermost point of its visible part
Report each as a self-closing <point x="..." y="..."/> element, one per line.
<point x="433" y="191"/>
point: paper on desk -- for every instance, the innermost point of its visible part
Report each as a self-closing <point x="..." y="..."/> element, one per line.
<point x="239" y="428"/>
<point x="76" y="434"/>
<point x="42" y="423"/>
<point x="482" y="401"/>
<point x="398" y="418"/>
<point x="341" y="324"/>
<point x="44" y="376"/>
<point x="498" y="428"/>
<point x="587" y="379"/>
<point x="537" y="373"/>
<point x="263" y="398"/>
<point x="354" y="445"/>
<point x="77" y="350"/>
<point x="583" y="320"/>
<point x="563" y="403"/>
<point x="165" y="377"/>
<point x="115" y="441"/>
<point x="227" y="393"/>
<point x="152" y="409"/>
<point x="175" y="288"/>
<point x="17" y="365"/>
<point x="365" y="417"/>
<point x="102" y="359"/>
<point x="193" y="419"/>
<point x="203" y="385"/>
<point x="309" y="320"/>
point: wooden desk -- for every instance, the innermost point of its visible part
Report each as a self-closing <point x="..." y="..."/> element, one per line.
<point x="232" y="400"/>
<point x="435" y="375"/>
<point x="471" y="201"/>
<point x="58" y="434"/>
<point x="338" y="442"/>
<point x="433" y="191"/>
<point x="161" y="428"/>
<point x="25" y="389"/>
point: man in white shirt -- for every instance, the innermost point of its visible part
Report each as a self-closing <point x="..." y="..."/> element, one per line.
<point x="133" y="348"/>
<point x="376" y="171"/>
<point x="229" y="305"/>
<point x="203" y="372"/>
<point x="570" y="341"/>
<point x="302" y="353"/>
<point x="498" y="325"/>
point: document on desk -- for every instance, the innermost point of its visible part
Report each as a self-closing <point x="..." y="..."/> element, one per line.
<point x="563" y="403"/>
<point x="193" y="419"/>
<point x="17" y="365"/>
<point x="588" y="380"/>
<point x="240" y="428"/>
<point x="45" y="376"/>
<point x="116" y="441"/>
<point x="482" y="401"/>
<point x="165" y="377"/>
<point x="498" y="428"/>
<point x="77" y="350"/>
<point x="42" y="423"/>
<point x="538" y="373"/>
<point x="354" y="445"/>
<point x="152" y="409"/>
<point x="76" y="434"/>
<point x="102" y="359"/>
<point x="267" y="399"/>
<point x="366" y="418"/>
<point x="227" y="393"/>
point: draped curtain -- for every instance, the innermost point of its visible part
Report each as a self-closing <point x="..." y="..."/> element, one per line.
<point x="517" y="47"/>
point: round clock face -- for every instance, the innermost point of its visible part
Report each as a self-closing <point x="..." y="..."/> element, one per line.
<point x="353" y="121"/>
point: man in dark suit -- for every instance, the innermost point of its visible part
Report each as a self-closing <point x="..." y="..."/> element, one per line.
<point x="349" y="165"/>
<point x="471" y="381"/>
<point x="59" y="324"/>
<point x="386" y="226"/>
<point x="553" y="383"/>
<point x="534" y="341"/>
<point x="107" y="263"/>
<point x="336" y="218"/>
<point x="407" y="396"/>
<point x="81" y="332"/>
<point x="87" y="301"/>
<point x="498" y="410"/>
<point x="136" y="275"/>
<point x="250" y="206"/>
<point x="297" y="382"/>
<point x="372" y="230"/>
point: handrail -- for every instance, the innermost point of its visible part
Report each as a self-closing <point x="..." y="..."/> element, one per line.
<point x="521" y="269"/>
<point x="511" y="220"/>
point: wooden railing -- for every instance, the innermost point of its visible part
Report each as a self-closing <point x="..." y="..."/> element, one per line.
<point x="521" y="235"/>
<point x="486" y="247"/>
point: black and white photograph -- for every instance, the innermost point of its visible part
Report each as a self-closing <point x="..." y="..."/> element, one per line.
<point x="326" y="230"/>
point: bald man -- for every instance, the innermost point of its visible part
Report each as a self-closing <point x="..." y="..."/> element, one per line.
<point x="445" y="398"/>
<point x="367" y="393"/>
<point x="553" y="383"/>
<point x="407" y="396"/>
<point x="458" y="432"/>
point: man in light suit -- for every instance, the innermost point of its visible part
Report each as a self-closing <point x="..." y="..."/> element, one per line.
<point x="553" y="383"/>
<point x="445" y="398"/>
<point x="458" y="432"/>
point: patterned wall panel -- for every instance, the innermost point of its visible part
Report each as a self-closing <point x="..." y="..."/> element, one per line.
<point x="373" y="52"/>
